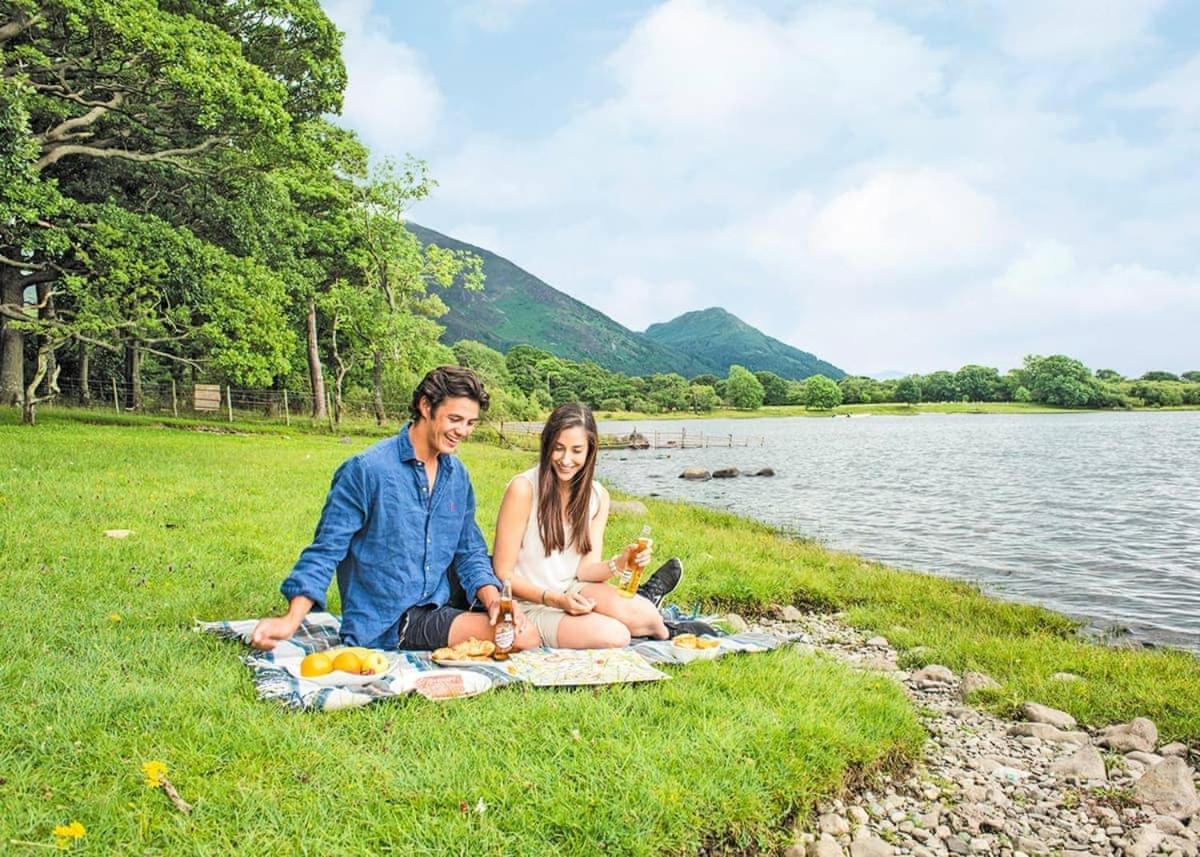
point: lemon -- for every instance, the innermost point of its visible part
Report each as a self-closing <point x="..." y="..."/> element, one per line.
<point x="348" y="661"/>
<point x="318" y="663"/>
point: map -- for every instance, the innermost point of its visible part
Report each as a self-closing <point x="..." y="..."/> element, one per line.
<point x="555" y="667"/>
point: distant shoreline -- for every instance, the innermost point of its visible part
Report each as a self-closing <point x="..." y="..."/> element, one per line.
<point x="880" y="409"/>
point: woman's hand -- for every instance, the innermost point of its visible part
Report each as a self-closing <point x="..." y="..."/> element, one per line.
<point x="573" y="603"/>
<point x="640" y="559"/>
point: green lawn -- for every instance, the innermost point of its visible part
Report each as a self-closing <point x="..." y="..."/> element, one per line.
<point x="102" y="672"/>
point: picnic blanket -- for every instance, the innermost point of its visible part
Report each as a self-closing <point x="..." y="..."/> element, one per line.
<point x="276" y="675"/>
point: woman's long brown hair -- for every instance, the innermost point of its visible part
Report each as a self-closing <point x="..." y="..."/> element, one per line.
<point x="579" y="493"/>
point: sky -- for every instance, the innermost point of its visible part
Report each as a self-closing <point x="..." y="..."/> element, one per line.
<point x="899" y="186"/>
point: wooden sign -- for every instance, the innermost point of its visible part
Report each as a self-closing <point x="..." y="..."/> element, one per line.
<point x="206" y="397"/>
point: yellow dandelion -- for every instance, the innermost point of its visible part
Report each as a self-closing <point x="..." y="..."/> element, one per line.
<point x="114" y="617"/>
<point x="154" y="771"/>
<point x="65" y="834"/>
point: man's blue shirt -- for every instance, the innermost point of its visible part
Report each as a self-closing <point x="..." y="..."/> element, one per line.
<point x="390" y="544"/>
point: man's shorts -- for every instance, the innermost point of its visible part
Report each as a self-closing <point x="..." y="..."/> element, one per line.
<point x="546" y="619"/>
<point x="420" y="628"/>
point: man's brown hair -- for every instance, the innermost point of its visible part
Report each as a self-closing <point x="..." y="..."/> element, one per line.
<point x="448" y="382"/>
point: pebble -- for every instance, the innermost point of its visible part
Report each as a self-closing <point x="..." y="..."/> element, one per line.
<point x="989" y="786"/>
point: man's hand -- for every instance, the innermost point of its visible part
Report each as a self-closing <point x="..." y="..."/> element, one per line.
<point x="269" y="633"/>
<point x="489" y="597"/>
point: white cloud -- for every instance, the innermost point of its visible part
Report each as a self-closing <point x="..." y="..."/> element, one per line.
<point x="921" y="221"/>
<point x="637" y="302"/>
<point x="830" y="177"/>
<point x="699" y="66"/>
<point x="1065" y="29"/>
<point x="493" y="15"/>
<point x="392" y="99"/>
<point x="1177" y="92"/>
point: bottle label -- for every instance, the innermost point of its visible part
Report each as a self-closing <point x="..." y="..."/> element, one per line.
<point x="505" y="636"/>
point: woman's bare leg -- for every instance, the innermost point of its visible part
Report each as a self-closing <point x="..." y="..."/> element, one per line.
<point x="592" y="631"/>
<point x="637" y="614"/>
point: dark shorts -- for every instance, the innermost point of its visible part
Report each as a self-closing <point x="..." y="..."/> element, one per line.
<point x="421" y="628"/>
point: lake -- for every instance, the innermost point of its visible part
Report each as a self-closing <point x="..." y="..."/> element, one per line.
<point x="1096" y="515"/>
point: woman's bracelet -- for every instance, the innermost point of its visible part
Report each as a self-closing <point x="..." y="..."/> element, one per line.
<point x="612" y="565"/>
<point x="543" y="598"/>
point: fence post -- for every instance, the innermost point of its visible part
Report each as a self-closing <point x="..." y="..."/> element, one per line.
<point x="229" y="401"/>
<point x="731" y="441"/>
<point x="174" y="400"/>
<point x="329" y="410"/>
<point x="287" y="415"/>
<point x="116" y="400"/>
<point x="683" y="438"/>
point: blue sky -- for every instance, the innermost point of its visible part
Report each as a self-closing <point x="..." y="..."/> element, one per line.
<point x="902" y="186"/>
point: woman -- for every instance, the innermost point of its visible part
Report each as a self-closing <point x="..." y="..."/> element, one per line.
<point x="549" y="538"/>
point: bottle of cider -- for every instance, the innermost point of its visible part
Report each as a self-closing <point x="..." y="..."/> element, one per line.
<point x="631" y="577"/>
<point x="506" y="624"/>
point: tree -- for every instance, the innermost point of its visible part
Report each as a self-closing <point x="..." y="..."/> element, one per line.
<point x="1109" y="375"/>
<point x="1060" y="380"/>
<point x="855" y="389"/>
<point x="704" y="397"/>
<point x="393" y="262"/>
<point x="977" y="383"/>
<point x="775" y="388"/>
<point x="134" y="105"/>
<point x="1193" y="376"/>
<point x="742" y="389"/>
<point x="1159" y="375"/>
<point x="821" y="393"/>
<point x="939" y="387"/>
<point x="908" y="389"/>
<point x="669" y="391"/>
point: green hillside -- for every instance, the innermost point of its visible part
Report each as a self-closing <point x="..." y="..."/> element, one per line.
<point x="516" y="307"/>
<point x="718" y="338"/>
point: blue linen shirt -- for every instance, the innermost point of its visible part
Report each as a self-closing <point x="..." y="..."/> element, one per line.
<point x="389" y="541"/>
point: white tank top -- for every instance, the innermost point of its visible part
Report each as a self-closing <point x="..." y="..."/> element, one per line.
<point x="557" y="571"/>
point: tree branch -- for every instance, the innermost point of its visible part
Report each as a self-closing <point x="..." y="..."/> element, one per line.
<point x="14" y="28"/>
<point x="56" y="153"/>
<point x="99" y="108"/>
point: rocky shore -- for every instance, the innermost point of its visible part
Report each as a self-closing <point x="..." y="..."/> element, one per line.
<point x="1042" y="785"/>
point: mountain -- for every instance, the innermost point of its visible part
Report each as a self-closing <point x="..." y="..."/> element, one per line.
<point x="718" y="338"/>
<point x="516" y="307"/>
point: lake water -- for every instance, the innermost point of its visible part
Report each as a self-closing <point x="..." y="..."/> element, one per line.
<point x="1096" y="515"/>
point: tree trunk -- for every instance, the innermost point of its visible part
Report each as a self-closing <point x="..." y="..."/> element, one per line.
<point x="12" y="341"/>
<point x="46" y="313"/>
<point x="377" y="384"/>
<point x="30" y="402"/>
<point x="85" y="370"/>
<point x="316" y="378"/>
<point x="133" y="377"/>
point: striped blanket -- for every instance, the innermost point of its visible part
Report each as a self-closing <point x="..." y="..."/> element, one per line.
<point x="276" y="675"/>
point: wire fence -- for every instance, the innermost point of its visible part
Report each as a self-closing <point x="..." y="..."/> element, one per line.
<point x="526" y="434"/>
<point x="217" y="402"/>
<point x="225" y="403"/>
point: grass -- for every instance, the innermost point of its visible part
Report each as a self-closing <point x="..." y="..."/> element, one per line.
<point x="102" y="673"/>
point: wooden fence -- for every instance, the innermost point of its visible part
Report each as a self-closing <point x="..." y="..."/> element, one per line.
<point x="526" y="435"/>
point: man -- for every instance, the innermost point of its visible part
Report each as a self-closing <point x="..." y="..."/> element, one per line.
<point x="397" y="518"/>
